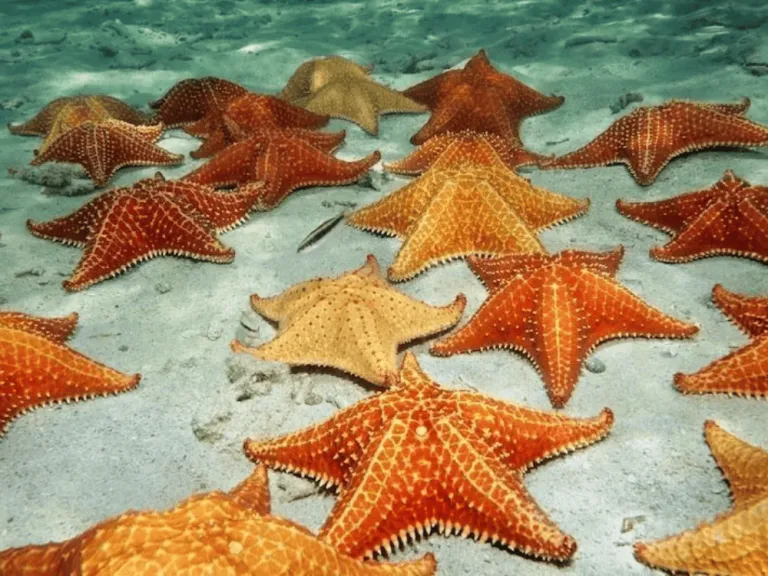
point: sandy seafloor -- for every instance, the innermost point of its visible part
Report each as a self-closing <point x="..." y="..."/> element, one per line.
<point x="65" y="468"/>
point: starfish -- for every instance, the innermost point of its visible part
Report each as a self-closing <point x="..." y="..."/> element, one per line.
<point x="354" y="322"/>
<point x="103" y="148"/>
<point x="284" y="160"/>
<point x="744" y="371"/>
<point x="454" y="213"/>
<point x="339" y="88"/>
<point x="105" y="106"/>
<point x="736" y="542"/>
<point x="193" y="99"/>
<point x="246" y="115"/>
<point x="454" y="149"/>
<point x="154" y="217"/>
<point x="555" y="308"/>
<point x="37" y="367"/>
<point x="419" y="456"/>
<point x="728" y="218"/>
<point x="478" y="98"/>
<point x="216" y="532"/>
<point x="649" y="137"/>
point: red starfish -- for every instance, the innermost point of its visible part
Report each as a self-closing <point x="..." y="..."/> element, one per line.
<point x="555" y="308"/>
<point x="649" y="137"/>
<point x="730" y="217"/>
<point x="247" y="115"/>
<point x="466" y="147"/>
<point x="154" y="217"/>
<point x="744" y="371"/>
<point x="103" y="148"/>
<point x="479" y="98"/>
<point x="284" y="160"/>
<point x="42" y="123"/>
<point x="419" y="456"/>
<point x="37" y="368"/>
<point x="192" y="99"/>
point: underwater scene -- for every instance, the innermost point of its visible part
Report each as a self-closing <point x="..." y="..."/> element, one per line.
<point x="388" y="287"/>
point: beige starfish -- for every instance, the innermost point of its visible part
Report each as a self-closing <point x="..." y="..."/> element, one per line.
<point x="736" y="542"/>
<point x="337" y="87"/>
<point x="451" y="213"/>
<point x="354" y="322"/>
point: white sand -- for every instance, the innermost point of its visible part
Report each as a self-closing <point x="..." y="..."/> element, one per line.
<point x="63" y="469"/>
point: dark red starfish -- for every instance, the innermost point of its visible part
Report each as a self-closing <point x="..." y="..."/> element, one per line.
<point x="192" y="99"/>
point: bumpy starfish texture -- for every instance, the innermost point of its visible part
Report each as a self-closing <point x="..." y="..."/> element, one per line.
<point x="193" y="99"/>
<point x="454" y="213"/>
<point x="555" y="308"/>
<point x="154" y="217"/>
<point x="246" y="115"/>
<point x="744" y="371"/>
<point x="456" y="149"/>
<point x="41" y="124"/>
<point x="736" y="542"/>
<point x="649" y="137"/>
<point x="728" y="218"/>
<point x="419" y="456"/>
<point x="38" y="368"/>
<point x="284" y="160"/>
<point x="478" y="98"/>
<point x="354" y="322"/>
<point x="216" y="532"/>
<point x="339" y="88"/>
<point x="103" y="148"/>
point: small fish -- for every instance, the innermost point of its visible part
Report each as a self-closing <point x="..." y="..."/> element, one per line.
<point x="321" y="230"/>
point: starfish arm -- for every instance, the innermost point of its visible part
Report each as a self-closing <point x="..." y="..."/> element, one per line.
<point x="612" y="311"/>
<point x="735" y="109"/>
<point x="742" y="372"/>
<point x="299" y="84"/>
<point x="423" y="157"/>
<point x="36" y="370"/>
<point x="522" y="437"/>
<point x="450" y="479"/>
<point x="214" y="143"/>
<point x="394" y="214"/>
<point x="75" y="229"/>
<point x="749" y="313"/>
<point x="207" y="125"/>
<point x="484" y="330"/>
<point x="281" y="113"/>
<point x="328" y="451"/>
<point x="104" y="148"/>
<point x="672" y="215"/>
<point x="347" y="102"/>
<point x="138" y="228"/>
<point x="41" y="560"/>
<point x="343" y="334"/>
<point x="54" y="329"/>
<point x="744" y="466"/>
<point x="43" y="120"/>
<point x="119" y="110"/>
<point x="388" y="101"/>
<point x="224" y="210"/>
<point x="607" y="148"/>
<point x="735" y="543"/>
<point x="191" y="99"/>
<point x="233" y="165"/>
<point x="327" y="142"/>
<point x="253" y="492"/>
<point x="488" y="226"/>
<point x="431" y="91"/>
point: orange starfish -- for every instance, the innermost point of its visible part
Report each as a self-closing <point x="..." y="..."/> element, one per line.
<point x="229" y="533"/>
<point x="478" y="98"/>
<point x="455" y="149"/>
<point x="555" y="308"/>
<point x="649" y="137"/>
<point x="193" y="99"/>
<point x="354" y="322"/>
<point x="103" y="148"/>
<point x="728" y="218"/>
<point x="419" y="456"/>
<point x="736" y="542"/>
<point x="105" y="106"/>
<point x="37" y="368"/>
<point x="153" y="217"/>
<point x="284" y="160"/>
<point x="744" y="371"/>
<point x="246" y="115"/>
<point x="453" y="213"/>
